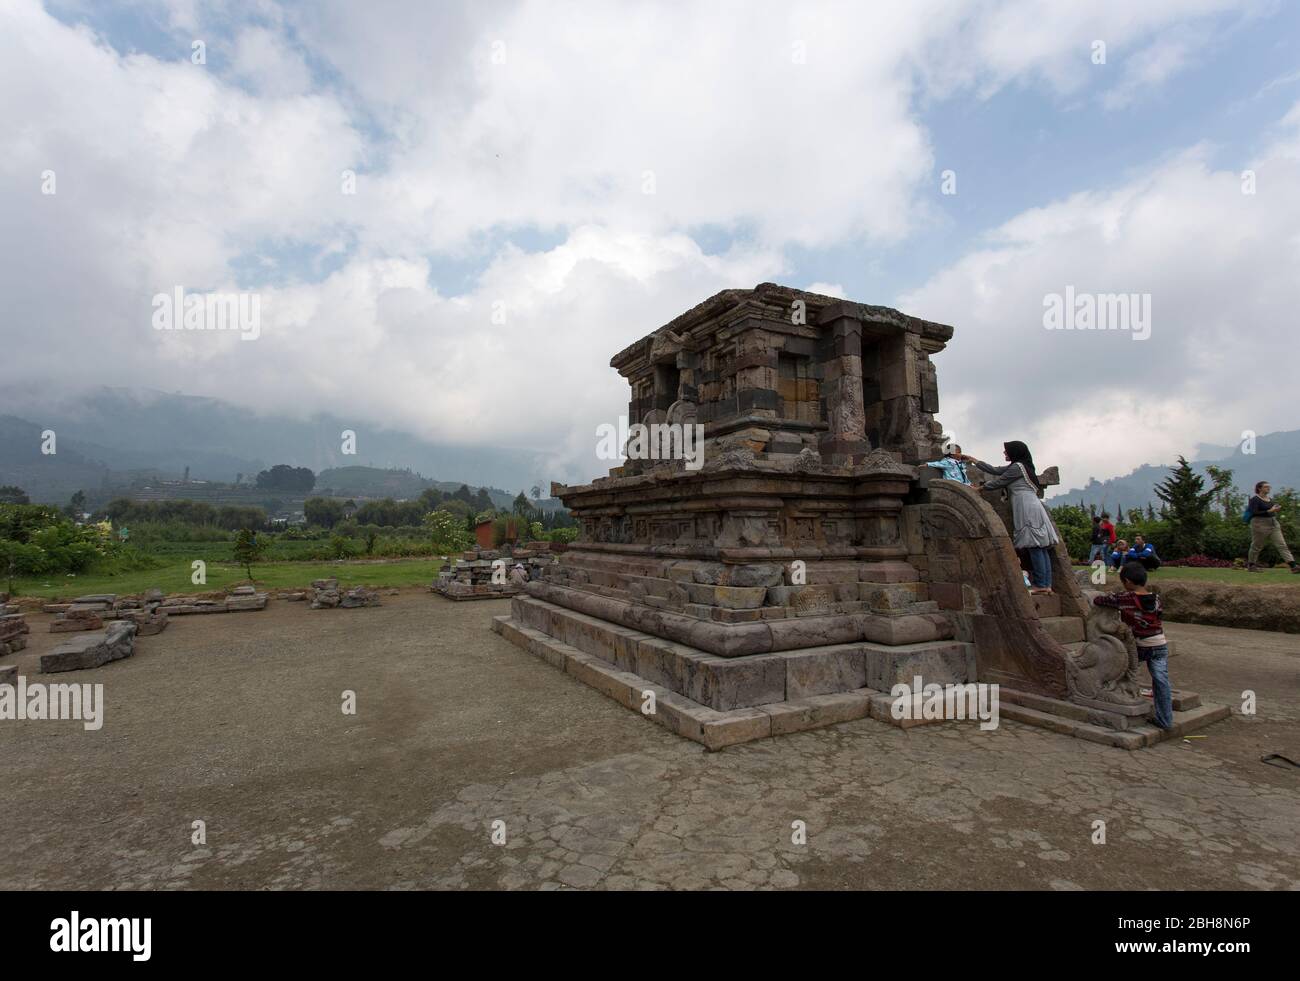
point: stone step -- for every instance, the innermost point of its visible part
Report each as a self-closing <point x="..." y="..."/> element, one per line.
<point x="683" y="716"/>
<point x="725" y="683"/>
<point x="1065" y="630"/>
<point x="1046" y="605"/>
<point x="718" y="729"/>
<point x="1138" y="737"/>
<point x="1183" y="701"/>
<point x="758" y="636"/>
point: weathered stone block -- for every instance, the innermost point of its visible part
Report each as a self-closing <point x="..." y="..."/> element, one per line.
<point x="739" y="597"/>
<point x="90" y="650"/>
<point x="818" y="711"/>
<point x="938" y="663"/>
<point x="242" y="601"/>
<point x="821" y="672"/>
<point x="724" y="683"/>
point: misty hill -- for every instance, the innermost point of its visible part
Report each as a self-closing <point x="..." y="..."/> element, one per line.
<point x="107" y="433"/>
<point x="372" y="482"/>
<point x="1276" y="459"/>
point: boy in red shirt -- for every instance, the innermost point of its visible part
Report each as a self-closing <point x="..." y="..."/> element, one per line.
<point x="1108" y="528"/>
<point x="1140" y="609"/>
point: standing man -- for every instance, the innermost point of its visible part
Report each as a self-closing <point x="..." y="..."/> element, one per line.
<point x="1265" y="528"/>
<point x="1100" y="541"/>
<point x="1108" y="528"/>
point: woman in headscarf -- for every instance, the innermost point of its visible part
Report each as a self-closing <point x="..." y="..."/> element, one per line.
<point x="1034" y="530"/>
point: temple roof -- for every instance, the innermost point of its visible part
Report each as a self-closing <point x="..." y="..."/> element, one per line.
<point x="772" y="301"/>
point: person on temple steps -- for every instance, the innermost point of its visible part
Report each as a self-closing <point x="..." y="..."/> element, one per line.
<point x="950" y="466"/>
<point x="1034" y="530"/>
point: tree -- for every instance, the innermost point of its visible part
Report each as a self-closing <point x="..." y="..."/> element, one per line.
<point x="1119" y="514"/>
<point x="463" y="493"/>
<point x="522" y="506"/>
<point x="248" y="549"/>
<point x="9" y="494"/>
<point x="1225" y="494"/>
<point x="15" y="556"/>
<point x="1184" y="496"/>
<point x="483" y="500"/>
<point x="448" y="532"/>
<point x="324" y="512"/>
<point x="283" y="477"/>
<point x="77" y="505"/>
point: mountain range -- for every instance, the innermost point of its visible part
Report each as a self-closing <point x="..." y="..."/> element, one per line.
<point x="1276" y="458"/>
<point x="112" y="437"/>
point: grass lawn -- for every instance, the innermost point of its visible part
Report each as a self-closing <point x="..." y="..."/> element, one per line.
<point x="1278" y="576"/>
<point x="174" y="577"/>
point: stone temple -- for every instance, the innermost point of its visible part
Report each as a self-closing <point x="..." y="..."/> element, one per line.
<point x="810" y="564"/>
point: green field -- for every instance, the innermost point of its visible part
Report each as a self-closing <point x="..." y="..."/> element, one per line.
<point x="1280" y="576"/>
<point x="174" y="577"/>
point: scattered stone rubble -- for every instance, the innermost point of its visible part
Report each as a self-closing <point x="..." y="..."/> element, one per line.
<point x="329" y="596"/>
<point x="90" y="612"/>
<point x="90" y="650"/>
<point x="149" y="613"/>
<point x="13" y="632"/>
<point x="471" y="578"/>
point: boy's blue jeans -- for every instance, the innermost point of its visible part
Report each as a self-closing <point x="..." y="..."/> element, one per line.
<point x="1097" y="552"/>
<point x="1157" y="659"/>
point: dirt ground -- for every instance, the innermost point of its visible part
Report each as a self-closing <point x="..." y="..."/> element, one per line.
<point x="236" y="720"/>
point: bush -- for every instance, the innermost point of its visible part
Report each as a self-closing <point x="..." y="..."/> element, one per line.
<point x="1075" y="526"/>
<point x="38" y="540"/>
<point x="447" y="532"/>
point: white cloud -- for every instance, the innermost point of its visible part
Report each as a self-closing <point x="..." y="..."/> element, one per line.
<point x="790" y="125"/>
<point x="268" y="64"/>
<point x="1220" y="267"/>
<point x="828" y="289"/>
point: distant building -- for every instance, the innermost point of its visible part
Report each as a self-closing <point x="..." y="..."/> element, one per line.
<point x="483" y="532"/>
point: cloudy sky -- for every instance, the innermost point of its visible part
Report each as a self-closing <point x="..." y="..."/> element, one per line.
<point x="540" y="183"/>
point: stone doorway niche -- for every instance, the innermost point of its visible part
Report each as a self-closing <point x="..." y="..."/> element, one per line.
<point x="881" y="351"/>
<point x="668" y="379"/>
